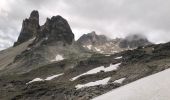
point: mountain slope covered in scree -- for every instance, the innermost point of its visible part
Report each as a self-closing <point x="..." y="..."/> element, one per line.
<point x="46" y="63"/>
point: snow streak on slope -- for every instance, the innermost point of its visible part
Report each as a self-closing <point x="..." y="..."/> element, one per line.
<point x="99" y="82"/>
<point x="154" y="87"/>
<point x="53" y="76"/>
<point x="47" y="79"/>
<point x="119" y="57"/>
<point x="98" y="69"/>
<point x="35" y="80"/>
<point x="120" y="81"/>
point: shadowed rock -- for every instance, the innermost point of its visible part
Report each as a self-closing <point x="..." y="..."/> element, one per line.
<point x="30" y="28"/>
<point x="55" y="29"/>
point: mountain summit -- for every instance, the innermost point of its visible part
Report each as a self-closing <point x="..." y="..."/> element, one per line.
<point x="30" y="28"/>
<point x="54" y="29"/>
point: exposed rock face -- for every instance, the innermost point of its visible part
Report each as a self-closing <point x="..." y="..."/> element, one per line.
<point x="44" y="43"/>
<point x="101" y="44"/>
<point x="56" y="29"/>
<point x="30" y="27"/>
<point x="133" y="41"/>
<point x="92" y="38"/>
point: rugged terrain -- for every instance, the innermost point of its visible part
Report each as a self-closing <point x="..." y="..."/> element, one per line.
<point x="105" y="45"/>
<point x="46" y="63"/>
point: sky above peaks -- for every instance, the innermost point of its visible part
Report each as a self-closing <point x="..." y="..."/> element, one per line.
<point x="113" y="18"/>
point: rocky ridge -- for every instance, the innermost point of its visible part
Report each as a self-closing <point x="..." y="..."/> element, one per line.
<point x="60" y="69"/>
<point x="102" y="44"/>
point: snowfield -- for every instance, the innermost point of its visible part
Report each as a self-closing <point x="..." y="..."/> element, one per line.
<point x="98" y="69"/>
<point x="99" y="82"/>
<point x="154" y="87"/>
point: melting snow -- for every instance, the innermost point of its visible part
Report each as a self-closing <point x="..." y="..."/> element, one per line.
<point x="54" y="76"/>
<point x="47" y="79"/>
<point x="112" y="67"/>
<point x="35" y="80"/>
<point x="154" y="87"/>
<point x="98" y="69"/>
<point x="119" y="57"/>
<point x="89" y="47"/>
<point x="97" y="49"/>
<point x="99" y="82"/>
<point x="119" y="80"/>
<point x="58" y="58"/>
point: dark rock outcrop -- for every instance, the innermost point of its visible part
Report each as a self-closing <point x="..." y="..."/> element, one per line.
<point x="30" y="28"/>
<point x="55" y="29"/>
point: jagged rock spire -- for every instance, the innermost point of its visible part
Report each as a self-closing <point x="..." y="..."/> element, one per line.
<point x="30" y="28"/>
<point x="56" y="29"/>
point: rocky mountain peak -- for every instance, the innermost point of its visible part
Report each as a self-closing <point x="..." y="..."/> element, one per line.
<point x="56" y="29"/>
<point x="34" y="15"/>
<point x="92" y="38"/>
<point x="30" y="27"/>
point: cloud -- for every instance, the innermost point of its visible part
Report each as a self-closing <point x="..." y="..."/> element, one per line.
<point x="115" y="18"/>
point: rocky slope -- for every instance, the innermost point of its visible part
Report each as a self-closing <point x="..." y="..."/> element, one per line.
<point x="102" y="44"/>
<point x="50" y="65"/>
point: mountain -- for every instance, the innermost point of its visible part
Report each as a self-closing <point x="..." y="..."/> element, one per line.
<point x="39" y="45"/>
<point x="30" y="27"/>
<point x="102" y="44"/>
<point x="51" y="65"/>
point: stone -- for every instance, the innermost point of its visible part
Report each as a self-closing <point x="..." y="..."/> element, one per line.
<point x="30" y="27"/>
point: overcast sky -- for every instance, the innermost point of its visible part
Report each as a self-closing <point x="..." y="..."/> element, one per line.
<point x="114" y="18"/>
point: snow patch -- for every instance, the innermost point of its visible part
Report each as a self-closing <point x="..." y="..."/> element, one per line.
<point x="58" y="58"/>
<point x="154" y="87"/>
<point x="53" y="76"/>
<point x="97" y="49"/>
<point x="119" y="57"/>
<point x="99" y="82"/>
<point x="35" y="80"/>
<point x="120" y="81"/>
<point x="112" y="67"/>
<point x="47" y="79"/>
<point x="98" y="69"/>
<point x="89" y="47"/>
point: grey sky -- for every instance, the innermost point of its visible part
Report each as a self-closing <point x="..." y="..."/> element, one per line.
<point x="114" y="18"/>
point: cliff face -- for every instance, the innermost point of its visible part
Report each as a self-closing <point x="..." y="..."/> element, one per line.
<point x="54" y="29"/>
<point x="30" y="28"/>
